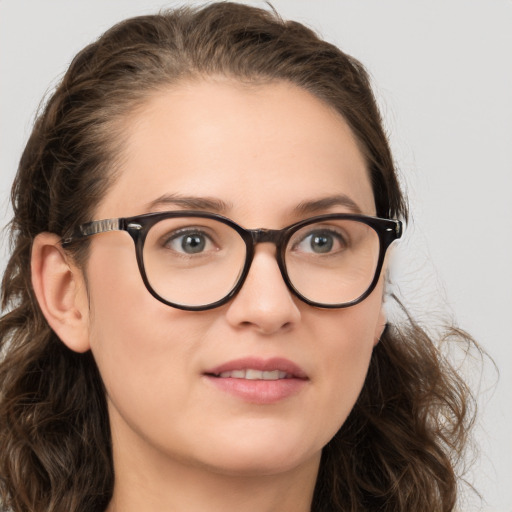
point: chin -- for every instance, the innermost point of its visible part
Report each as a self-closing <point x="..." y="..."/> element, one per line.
<point x="258" y="454"/>
<point x="270" y="464"/>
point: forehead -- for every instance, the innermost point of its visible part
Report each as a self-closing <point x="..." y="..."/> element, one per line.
<point x="257" y="148"/>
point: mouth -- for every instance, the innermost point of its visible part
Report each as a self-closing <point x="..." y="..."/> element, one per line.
<point x="252" y="374"/>
<point x="254" y="368"/>
<point x="258" y="381"/>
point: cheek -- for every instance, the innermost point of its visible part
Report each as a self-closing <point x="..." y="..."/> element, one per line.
<point x="130" y="334"/>
<point x="346" y="343"/>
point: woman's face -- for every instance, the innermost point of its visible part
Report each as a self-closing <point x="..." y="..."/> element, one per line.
<point x="262" y="152"/>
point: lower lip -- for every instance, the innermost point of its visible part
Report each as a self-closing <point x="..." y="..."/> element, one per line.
<point x="258" y="391"/>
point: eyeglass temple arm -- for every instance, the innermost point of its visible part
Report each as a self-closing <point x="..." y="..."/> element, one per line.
<point x="93" y="228"/>
<point x="399" y="228"/>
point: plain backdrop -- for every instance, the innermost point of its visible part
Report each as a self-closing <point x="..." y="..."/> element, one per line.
<point x="443" y="76"/>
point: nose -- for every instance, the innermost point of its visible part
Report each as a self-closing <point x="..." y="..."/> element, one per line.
<point x="264" y="303"/>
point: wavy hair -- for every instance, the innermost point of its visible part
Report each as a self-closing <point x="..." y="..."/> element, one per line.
<point x="397" y="451"/>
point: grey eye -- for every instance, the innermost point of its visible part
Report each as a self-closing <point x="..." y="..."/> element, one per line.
<point x="189" y="242"/>
<point x="320" y="242"/>
<point x="193" y="244"/>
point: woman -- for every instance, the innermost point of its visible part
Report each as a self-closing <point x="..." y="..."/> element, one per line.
<point x="196" y="320"/>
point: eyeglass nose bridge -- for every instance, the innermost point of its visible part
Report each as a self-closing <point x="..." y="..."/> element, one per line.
<point x="262" y="236"/>
<point x="273" y="236"/>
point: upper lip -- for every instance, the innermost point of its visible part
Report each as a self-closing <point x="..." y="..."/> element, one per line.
<point x="256" y="363"/>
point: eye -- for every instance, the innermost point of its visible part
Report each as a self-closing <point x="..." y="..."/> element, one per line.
<point x="320" y="241"/>
<point x="189" y="242"/>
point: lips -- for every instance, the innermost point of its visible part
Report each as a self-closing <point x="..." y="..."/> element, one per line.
<point x="258" y="381"/>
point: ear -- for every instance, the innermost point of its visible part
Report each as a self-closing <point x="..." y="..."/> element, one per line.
<point x="380" y="325"/>
<point x="60" y="291"/>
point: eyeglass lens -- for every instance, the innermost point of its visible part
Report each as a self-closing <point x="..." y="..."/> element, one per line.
<point x="195" y="261"/>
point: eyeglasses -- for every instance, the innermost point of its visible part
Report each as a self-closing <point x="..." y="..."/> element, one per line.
<point x="196" y="261"/>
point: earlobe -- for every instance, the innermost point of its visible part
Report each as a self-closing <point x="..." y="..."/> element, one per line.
<point x="60" y="291"/>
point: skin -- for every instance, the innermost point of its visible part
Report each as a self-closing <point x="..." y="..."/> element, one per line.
<point x="179" y="442"/>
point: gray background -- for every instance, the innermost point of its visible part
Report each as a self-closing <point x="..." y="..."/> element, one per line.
<point x="443" y="76"/>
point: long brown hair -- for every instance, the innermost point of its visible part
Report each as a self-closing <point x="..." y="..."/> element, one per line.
<point x="398" y="449"/>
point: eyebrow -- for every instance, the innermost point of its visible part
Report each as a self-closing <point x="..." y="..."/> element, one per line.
<point x="210" y="204"/>
<point x="324" y="203"/>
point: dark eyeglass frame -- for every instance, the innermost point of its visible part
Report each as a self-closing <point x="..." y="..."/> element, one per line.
<point x="388" y="230"/>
